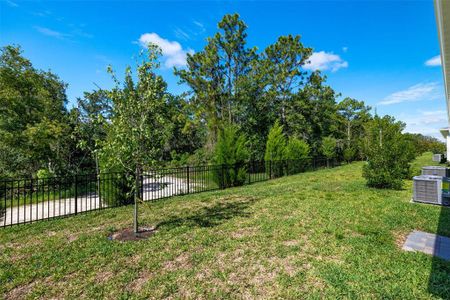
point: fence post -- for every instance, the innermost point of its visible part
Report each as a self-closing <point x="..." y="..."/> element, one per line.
<point x="187" y="172"/>
<point x="76" y="194"/>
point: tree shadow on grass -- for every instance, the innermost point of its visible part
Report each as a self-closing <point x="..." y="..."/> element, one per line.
<point x="214" y="215"/>
<point x="439" y="281"/>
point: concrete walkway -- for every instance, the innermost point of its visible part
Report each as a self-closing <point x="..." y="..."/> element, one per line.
<point x="428" y="243"/>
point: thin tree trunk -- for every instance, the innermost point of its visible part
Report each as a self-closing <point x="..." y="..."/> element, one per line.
<point x="348" y="133"/>
<point x="136" y="199"/>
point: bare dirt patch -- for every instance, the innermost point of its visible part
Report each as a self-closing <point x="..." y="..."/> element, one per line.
<point x="21" y="291"/>
<point x="400" y="238"/>
<point x="183" y="261"/>
<point x="137" y="284"/>
<point x="103" y="276"/>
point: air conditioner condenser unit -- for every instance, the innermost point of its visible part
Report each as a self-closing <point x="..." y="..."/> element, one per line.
<point x="427" y="189"/>
<point x="437" y="157"/>
<point x="435" y="171"/>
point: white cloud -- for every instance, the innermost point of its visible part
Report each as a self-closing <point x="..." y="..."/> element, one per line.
<point x="426" y="122"/>
<point x="199" y="24"/>
<point x="11" y="3"/>
<point x="325" y="61"/>
<point x="174" y="54"/>
<point x="42" y="13"/>
<point x="181" y="34"/>
<point x="50" y="32"/>
<point x="434" y="61"/>
<point x="418" y="92"/>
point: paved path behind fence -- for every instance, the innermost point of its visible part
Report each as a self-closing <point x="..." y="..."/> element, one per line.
<point x="165" y="186"/>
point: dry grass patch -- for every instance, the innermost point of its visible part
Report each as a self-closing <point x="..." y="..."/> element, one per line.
<point x="400" y="238"/>
<point x="244" y="232"/>
<point x="291" y="243"/>
<point x="104" y="276"/>
<point x="182" y="261"/>
<point x="20" y="292"/>
<point x="138" y="283"/>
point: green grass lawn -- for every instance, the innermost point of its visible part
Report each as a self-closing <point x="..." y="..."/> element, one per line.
<point x="320" y="234"/>
<point x="424" y="160"/>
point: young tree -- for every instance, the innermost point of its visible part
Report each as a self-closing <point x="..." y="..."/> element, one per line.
<point x="349" y="153"/>
<point x="275" y="150"/>
<point x="296" y="149"/>
<point x="136" y="133"/>
<point x="231" y="152"/>
<point x="388" y="153"/>
<point x="297" y="153"/>
<point x="329" y="148"/>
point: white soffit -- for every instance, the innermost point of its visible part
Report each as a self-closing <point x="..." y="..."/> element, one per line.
<point x="442" y="9"/>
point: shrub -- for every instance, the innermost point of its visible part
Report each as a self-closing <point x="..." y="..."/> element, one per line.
<point x="178" y="159"/>
<point x="231" y="152"/>
<point x="328" y="148"/>
<point x="297" y="153"/>
<point x="349" y="154"/>
<point x="275" y="151"/>
<point x="200" y="157"/>
<point x="43" y="174"/>
<point x="388" y="153"/>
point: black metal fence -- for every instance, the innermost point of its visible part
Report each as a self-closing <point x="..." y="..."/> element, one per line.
<point x="29" y="200"/>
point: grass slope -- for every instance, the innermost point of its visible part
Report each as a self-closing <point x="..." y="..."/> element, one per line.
<point x="314" y="235"/>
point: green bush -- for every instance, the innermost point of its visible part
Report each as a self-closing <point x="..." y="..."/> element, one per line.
<point x="349" y="154"/>
<point x="297" y="153"/>
<point x="328" y="148"/>
<point x="231" y="152"/>
<point x="275" y="151"/>
<point x="200" y="157"/>
<point x="178" y="159"/>
<point x="44" y="173"/>
<point x="389" y="153"/>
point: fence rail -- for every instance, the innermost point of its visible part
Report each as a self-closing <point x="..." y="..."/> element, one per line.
<point x="29" y="200"/>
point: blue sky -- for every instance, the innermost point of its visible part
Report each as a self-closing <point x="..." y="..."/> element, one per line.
<point x="382" y="52"/>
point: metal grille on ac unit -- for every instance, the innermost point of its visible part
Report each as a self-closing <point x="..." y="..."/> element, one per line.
<point x="427" y="189"/>
<point x="437" y="157"/>
<point x="435" y="170"/>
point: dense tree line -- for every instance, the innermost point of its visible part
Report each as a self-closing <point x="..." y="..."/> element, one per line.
<point x="243" y="103"/>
